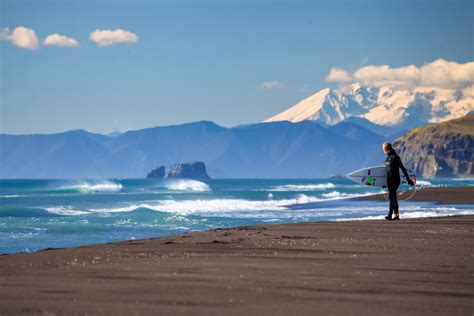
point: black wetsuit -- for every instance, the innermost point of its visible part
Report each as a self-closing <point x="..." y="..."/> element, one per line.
<point x="393" y="165"/>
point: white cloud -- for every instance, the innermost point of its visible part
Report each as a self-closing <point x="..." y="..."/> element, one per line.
<point x="272" y="84"/>
<point x="112" y="37"/>
<point x="338" y="75"/>
<point x="439" y="73"/>
<point x="60" y="41"/>
<point x="21" y="36"/>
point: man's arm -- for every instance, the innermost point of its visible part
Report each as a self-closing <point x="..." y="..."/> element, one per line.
<point x="405" y="172"/>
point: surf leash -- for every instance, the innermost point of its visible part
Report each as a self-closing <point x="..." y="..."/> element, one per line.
<point x="400" y="194"/>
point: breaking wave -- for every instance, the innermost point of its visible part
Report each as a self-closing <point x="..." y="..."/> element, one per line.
<point x="186" y="185"/>
<point x="65" y="210"/>
<point x="266" y="210"/>
<point x="214" y="207"/>
<point x="302" y="187"/>
<point x="87" y="187"/>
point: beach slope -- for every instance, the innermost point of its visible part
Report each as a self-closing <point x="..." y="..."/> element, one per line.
<point x="442" y="196"/>
<point x="418" y="266"/>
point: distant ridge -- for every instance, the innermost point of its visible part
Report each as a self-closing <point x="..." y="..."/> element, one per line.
<point x="263" y="150"/>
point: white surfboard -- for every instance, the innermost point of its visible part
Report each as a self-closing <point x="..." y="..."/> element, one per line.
<point x="377" y="176"/>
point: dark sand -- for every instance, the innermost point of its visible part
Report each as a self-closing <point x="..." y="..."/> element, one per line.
<point x="410" y="267"/>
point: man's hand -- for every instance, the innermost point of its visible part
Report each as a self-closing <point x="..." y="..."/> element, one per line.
<point x="410" y="182"/>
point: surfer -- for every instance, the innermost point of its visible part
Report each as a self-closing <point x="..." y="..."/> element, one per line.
<point x="393" y="163"/>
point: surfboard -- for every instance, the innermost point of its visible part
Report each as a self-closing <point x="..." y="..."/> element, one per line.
<point x="376" y="176"/>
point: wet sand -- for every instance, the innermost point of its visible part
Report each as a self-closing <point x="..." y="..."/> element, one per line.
<point x="410" y="267"/>
<point x="441" y="195"/>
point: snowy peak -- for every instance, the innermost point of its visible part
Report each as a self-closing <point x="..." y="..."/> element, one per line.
<point x="389" y="106"/>
<point x="327" y="106"/>
<point x="306" y="109"/>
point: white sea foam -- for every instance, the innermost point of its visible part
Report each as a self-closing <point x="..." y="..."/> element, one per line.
<point x="272" y="220"/>
<point x="103" y="186"/>
<point x="269" y="209"/>
<point x="225" y="207"/>
<point x="335" y="195"/>
<point x="302" y="187"/>
<point x="214" y="206"/>
<point x="11" y="196"/>
<point x="430" y="212"/>
<point x="129" y="208"/>
<point x="186" y="185"/>
<point x="65" y="210"/>
<point x="423" y="183"/>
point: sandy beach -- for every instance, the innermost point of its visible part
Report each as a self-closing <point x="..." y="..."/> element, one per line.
<point x="411" y="267"/>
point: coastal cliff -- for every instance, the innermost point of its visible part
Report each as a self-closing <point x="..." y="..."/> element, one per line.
<point x="440" y="150"/>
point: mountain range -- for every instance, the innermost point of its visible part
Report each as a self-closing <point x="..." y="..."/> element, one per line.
<point x="274" y="150"/>
<point x="396" y="108"/>
<point x="331" y="132"/>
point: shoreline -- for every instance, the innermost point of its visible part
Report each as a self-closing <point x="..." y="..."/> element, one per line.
<point x="374" y="267"/>
<point x="439" y="195"/>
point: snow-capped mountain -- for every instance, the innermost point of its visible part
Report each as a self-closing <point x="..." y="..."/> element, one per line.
<point x="390" y="106"/>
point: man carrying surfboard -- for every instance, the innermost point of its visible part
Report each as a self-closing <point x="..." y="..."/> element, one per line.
<point x="393" y="164"/>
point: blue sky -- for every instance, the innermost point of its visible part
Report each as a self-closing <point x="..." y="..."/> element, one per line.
<point x="196" y="60"/>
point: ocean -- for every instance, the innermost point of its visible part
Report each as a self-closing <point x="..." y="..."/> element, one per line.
<point x="39" y="214"/>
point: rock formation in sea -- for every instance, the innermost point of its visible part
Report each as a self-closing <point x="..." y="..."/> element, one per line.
<point x="195" y="170"/>
<point x="157" y="173"/>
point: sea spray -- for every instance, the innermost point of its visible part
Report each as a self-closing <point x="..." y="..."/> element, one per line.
<point x="90" y="186"/>
<point x="186" y="185"/>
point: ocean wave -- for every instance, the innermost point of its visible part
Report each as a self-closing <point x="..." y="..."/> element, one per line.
<point x="436" y="212"/>
<point x="226" y="206"/>
<point x="266" y="210"/>
<point x="186" y="185"/>
<point x="221" y="206"/>
<point x="302" y="187"/>
<point x="336" y="195"/>
<point x="65" y="210"/>
<point x="12" y="211"/>
<point x="214" y="206"/>
<point x="90" y="186"/>
<point x="423" y="183"/>
<point x="11" y="196"/>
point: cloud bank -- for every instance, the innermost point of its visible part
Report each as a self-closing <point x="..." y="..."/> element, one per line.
<point x="112" y="37"/>
<point x="439" y="73"/>
<point x="60" y="41"/>
<point x="272" y="84"/>
<point x="21" y="36"/>
<point x="338" y="75"/>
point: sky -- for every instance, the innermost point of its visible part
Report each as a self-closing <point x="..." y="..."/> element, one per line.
<point x="107" y="66"/>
